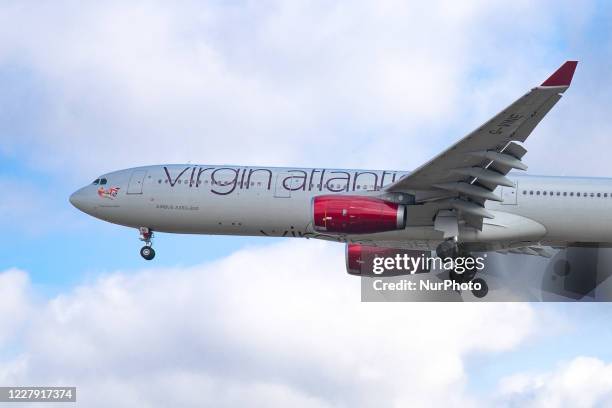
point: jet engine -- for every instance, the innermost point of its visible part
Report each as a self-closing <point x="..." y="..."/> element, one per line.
<point x="356" y="214"/>
<point x="360" y="261"/>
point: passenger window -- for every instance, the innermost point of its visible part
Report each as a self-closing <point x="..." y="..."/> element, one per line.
<point x="565" y="194"/>
<point x="577" y="194"/>
<point x="524" y="192"/>
<point x="538" y="192"/>
<point x="543" y="192"/>
<point x="571" y="194"/>
<point x="598" y="195"/>
<point x="531" y="192"/>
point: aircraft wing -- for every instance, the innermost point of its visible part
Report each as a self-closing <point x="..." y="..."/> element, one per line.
<point x="465" y="175"/>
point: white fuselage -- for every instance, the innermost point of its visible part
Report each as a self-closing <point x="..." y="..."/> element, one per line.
<point x="265" y="201"/>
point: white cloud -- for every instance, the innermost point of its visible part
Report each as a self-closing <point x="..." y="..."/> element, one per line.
<point x="14" y="303"/>
<point x="119" y="84"/>
<point x="581" y="382"/>
<point x="267" y="326"/>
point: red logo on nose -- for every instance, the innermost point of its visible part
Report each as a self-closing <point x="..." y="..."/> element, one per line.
<point x="111" y="193"/>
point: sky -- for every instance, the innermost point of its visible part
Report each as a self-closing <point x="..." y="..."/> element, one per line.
<point x="90" y="87"/>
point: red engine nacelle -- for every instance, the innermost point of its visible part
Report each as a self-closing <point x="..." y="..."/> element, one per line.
<point x="356" y="214"/>
<point x="360" y="259"/>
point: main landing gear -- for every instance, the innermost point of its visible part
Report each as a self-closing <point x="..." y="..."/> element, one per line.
<point x="452" y="249"/>
<point x="146" y="235"/>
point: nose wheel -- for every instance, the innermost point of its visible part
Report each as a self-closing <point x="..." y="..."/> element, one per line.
<point x="147" y="251"/>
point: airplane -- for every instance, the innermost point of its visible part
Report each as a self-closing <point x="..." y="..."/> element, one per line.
<point x="464" y="200"/>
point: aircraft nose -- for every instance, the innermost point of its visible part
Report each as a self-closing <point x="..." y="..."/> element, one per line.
<point x="80" y="200"/>
<point x="74" y="199"/>
<point x="77" y="199"/>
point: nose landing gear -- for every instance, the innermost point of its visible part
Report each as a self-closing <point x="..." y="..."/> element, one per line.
<point x="146" y="235"/>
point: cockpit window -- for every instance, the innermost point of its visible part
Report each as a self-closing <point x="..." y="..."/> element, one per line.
<point x="95" y="182"/>
<point x="102" y="181"/>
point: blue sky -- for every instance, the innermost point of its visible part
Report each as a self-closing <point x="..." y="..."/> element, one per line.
<point x="96" y="87"/>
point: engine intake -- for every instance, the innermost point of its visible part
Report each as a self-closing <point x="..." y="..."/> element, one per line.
<point x="356" y="214"/>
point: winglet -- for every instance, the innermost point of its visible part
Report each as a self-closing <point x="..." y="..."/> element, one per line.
<point x="562" y="76"/>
